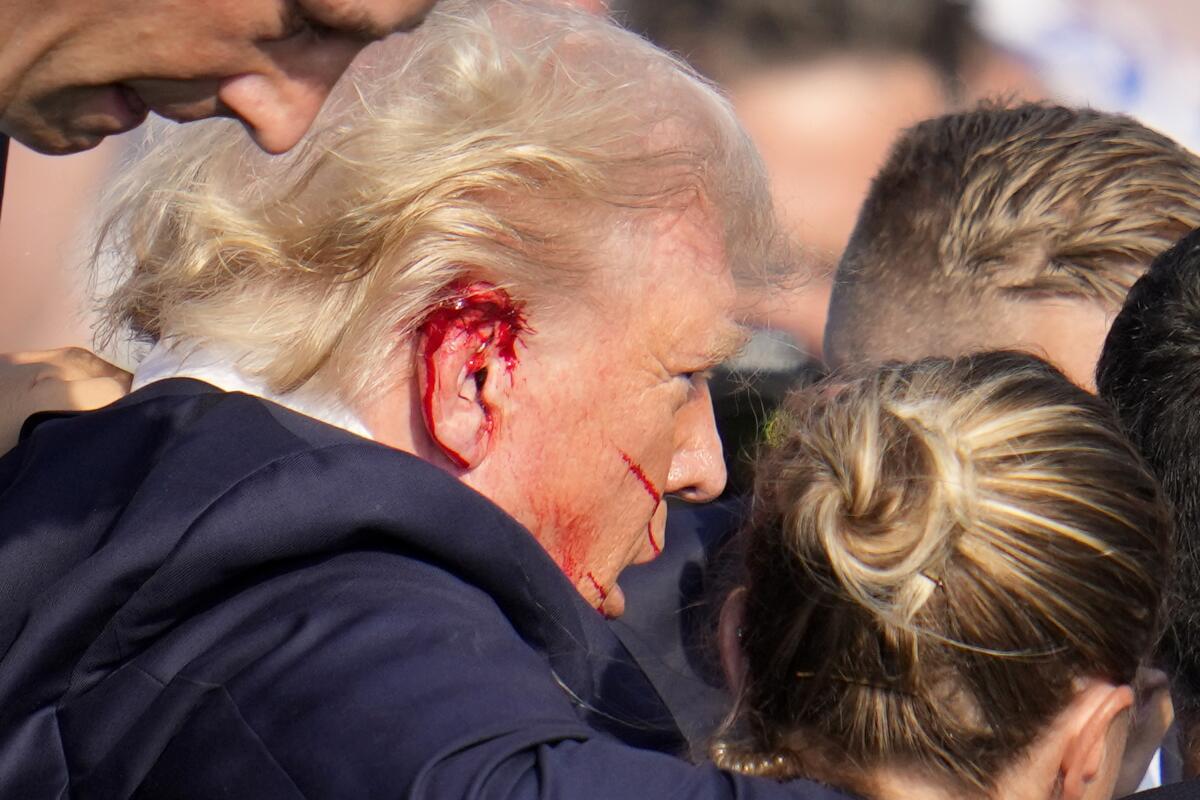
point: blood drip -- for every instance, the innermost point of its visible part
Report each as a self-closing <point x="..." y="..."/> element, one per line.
<point x="638" y="473"/>
<point x="651" y="490"/>
<point x="481" y="315"/>
<point x="650" y="535"/>
<point x="599" y="589"/>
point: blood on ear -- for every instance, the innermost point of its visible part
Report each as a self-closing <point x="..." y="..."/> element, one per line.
<point x="475" y="315"/>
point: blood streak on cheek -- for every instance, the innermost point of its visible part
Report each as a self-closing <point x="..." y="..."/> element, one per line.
<point x="651" y="489"/>
<point x="481" y="316"/>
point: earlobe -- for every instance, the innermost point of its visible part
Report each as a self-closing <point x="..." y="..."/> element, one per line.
<point x="1087" y="755"/>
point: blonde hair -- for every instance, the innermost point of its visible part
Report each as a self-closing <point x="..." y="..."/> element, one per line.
<point x="935" y="552"/>
<point x="502" y="141"/>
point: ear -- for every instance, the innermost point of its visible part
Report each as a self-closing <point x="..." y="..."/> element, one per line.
<point x="729" y="640"/>
<point x="1098" y="722"/>
<point x="464" y="367"/>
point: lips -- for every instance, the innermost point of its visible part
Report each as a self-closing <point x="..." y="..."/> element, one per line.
<point x="614" y="604"/>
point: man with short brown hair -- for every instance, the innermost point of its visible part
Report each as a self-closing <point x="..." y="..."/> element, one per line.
<point x="1009" y="228"/>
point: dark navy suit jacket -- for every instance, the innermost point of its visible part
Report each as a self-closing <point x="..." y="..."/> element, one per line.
<point x="205" y="595"/>
<point x="1187" y="790"/>
<point x="671" y="610"/>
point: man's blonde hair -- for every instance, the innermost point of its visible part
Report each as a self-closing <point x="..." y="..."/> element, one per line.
<point x="936" y="552"/>
<point x="1004" y="203"/>
<point x="504" y="141"/>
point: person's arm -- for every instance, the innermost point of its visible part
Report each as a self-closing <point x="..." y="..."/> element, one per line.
<point x="70" y="379"/>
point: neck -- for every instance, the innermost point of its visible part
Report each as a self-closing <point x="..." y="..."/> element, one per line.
<point x="911" y="784"/>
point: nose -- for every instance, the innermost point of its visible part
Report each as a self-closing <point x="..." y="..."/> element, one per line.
<point x="697" y="472"/>
<point x="279" y="103"/>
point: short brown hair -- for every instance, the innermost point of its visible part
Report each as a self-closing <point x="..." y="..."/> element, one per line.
<point x="936" y="551"/>
<point x="1027" y="201"/>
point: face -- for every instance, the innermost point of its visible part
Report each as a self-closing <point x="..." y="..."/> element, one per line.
<point x="611" y="412"/>
<point x="98" y="67"/>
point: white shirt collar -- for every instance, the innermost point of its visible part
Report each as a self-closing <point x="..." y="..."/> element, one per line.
<point x="211" y="365"/>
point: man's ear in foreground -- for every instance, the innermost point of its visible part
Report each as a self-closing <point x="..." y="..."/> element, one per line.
<point x="465" y="360"/>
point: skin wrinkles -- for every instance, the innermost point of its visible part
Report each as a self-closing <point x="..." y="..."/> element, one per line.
<point x="613" y="385"/>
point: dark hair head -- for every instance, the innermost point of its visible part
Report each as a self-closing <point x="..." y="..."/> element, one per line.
<point x="1150" y="373"/>
<point x="724" y="38"/>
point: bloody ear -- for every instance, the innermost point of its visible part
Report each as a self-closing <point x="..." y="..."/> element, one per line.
<point x="466" y="354"/>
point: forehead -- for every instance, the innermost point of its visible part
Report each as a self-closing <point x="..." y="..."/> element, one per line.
<point x="682" y="290"/>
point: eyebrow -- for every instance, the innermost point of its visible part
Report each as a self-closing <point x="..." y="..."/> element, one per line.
<point x="727" y="342"/>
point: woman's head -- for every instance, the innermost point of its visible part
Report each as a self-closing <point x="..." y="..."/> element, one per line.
<point x="940" y="555"/>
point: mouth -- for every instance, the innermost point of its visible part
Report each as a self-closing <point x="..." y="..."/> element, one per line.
<point x="653" y="537"/>
<point x="611" y="600"/>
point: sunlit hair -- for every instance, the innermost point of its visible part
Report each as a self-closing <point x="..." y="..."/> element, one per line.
<point x="505" y="141"/>
<point x="935" y="552"/>
<point x="1005" y="204"/>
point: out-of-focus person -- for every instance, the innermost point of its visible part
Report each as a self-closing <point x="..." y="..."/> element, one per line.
<point x="416" y="395"/>
<point x="1133" y="58"/>
<point x="74" y="72"/>
<point x="952" y="573"/>
<point x="1008" y="228"/>
<point x="824" y="87"/>
<point x="1150" y="373"/>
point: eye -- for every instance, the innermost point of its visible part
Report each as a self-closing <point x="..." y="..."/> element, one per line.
<point x="694" y="379"/>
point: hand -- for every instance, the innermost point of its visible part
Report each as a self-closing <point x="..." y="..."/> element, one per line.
<point x="69" y="379"/>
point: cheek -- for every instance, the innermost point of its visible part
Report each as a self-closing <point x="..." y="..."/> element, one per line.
<point x="565" y="533"/>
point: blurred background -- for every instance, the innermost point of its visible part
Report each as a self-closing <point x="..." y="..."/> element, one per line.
<point x="822" y="86"/>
